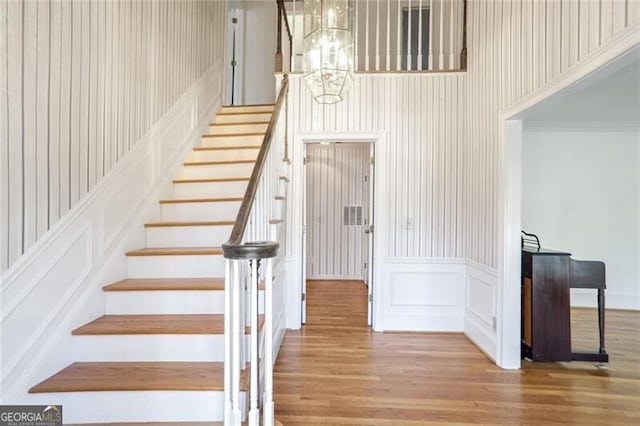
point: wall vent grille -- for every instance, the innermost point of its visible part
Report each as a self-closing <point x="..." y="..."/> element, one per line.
<point x="352" y="216"/>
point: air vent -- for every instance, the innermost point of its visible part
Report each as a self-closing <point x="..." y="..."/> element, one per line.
<point x="352" y="216"/>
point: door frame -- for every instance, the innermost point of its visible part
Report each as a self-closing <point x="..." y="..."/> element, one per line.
<point x="508" y="309"/>
<point x="295" y="259"/>
<point x="370" y="236"/>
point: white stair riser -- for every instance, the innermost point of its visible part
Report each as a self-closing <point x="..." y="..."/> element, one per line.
<point x="223" y="155"/>
<point x="188" y="266"/>
<point x="173" y="302"/>
<point x="243" y="118"/>
<point x="188" y="236"/>
<point x="184" y="212"/>
<point x="238" y="128"/>
<point x="249" y="108"/>
<point x="233" y="141"/>
<point x="137" y="406"/>
<point x="210" y="189"/>
<point x="149" y="348"/>
<point x="217" y="170"/>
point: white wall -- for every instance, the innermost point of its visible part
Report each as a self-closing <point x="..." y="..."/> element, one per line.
<point x="259" y="52"/>
<point x="416" y="122"/>
<point x="337" y="176"/>
<point x="80" y="84"/>
<point x="516" y="49"/>
<point x="581" y="193"/>
<point x="141" y="111"/>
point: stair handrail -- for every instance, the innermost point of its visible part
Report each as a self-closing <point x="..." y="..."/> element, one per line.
<point x="234" y="248"/>
<point x="282" y="14"/>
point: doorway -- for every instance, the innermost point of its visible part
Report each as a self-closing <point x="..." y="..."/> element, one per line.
<point x="574" y="115"/>
<point x="338" y="222"/>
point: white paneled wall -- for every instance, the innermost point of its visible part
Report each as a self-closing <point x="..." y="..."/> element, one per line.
<point x="422" y="117"/>
<point x="81" y="82"/>
<point x="515" y="48"/>
<point x="337" y="177"/>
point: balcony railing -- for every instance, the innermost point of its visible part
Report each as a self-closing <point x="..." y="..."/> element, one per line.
<point x="389" y="35"/>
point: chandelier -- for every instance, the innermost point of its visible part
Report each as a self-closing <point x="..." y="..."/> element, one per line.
<point x="328" y="49"/>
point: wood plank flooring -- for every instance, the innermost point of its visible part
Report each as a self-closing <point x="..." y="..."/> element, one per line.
<point x="335" y="371"/>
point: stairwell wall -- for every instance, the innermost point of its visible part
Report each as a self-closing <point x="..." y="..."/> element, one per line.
<point x="108" y="156"/>
<point x="81" y="84"/>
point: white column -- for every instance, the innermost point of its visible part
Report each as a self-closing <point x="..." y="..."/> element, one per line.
<point x="236" y="350"/>
<point x="227" y="342"/>
<point x="268" y="342"/>
<point x="254" y="413"/>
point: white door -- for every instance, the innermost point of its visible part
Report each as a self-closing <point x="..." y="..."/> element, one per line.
<point x="369" y="232"/>
<point x="303" y="310"/>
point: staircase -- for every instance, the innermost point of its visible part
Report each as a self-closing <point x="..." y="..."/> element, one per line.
<point x="157" y="355"/>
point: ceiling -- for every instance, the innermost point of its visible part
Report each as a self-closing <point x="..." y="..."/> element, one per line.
<point x="609" y="95"/>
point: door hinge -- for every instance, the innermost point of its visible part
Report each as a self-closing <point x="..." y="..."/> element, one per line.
<point x="365" y="265"/>
<point x="304" y="161"/>
<point x="304" y="297"/>
<point x="371" y="228"/>
<point x="370" y="298"/>
<point x="373" y="160"/>
<point x="233" y="63"/>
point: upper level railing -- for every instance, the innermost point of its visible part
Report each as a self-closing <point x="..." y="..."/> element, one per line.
<point x="251" y="254"/>
<point x="389" y="35"/>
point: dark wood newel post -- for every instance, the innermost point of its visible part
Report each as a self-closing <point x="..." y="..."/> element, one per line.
<point x="463" y="53"/>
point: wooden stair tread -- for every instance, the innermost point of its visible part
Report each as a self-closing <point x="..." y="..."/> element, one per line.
<point x="194" y="223"/>
<point x="223" y="148"/>
<point x="232" y="135"/>
<point x="200" y="200"/>
<point x="239" y="123"/>
<point x="153" y="324"/>
<point x="167" y="284"/>
<point x="203" y="180"/>
<point x="217" y="163"/>
<point x="244" y="112"/>
<point x="176" y="251"/>
<point x="247" y="105"/>
<point x="138" y="376"/>
<point x="152" y="424"/>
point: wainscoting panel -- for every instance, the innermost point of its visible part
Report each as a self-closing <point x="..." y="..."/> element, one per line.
<point x="56" y="286"/>
<point x="480" y="309"/>
<point x="422" y="295"/>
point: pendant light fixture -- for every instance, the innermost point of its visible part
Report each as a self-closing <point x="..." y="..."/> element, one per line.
<point x="328" y="49"/>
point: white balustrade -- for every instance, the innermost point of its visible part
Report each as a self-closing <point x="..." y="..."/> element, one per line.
<point x="398" y="35"/>
<point x="246" y="268"/>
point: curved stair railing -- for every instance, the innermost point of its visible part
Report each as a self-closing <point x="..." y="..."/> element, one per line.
<point x="250" y="255"/>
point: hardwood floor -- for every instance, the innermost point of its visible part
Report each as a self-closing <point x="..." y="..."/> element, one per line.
<point x="335" y="371"/>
